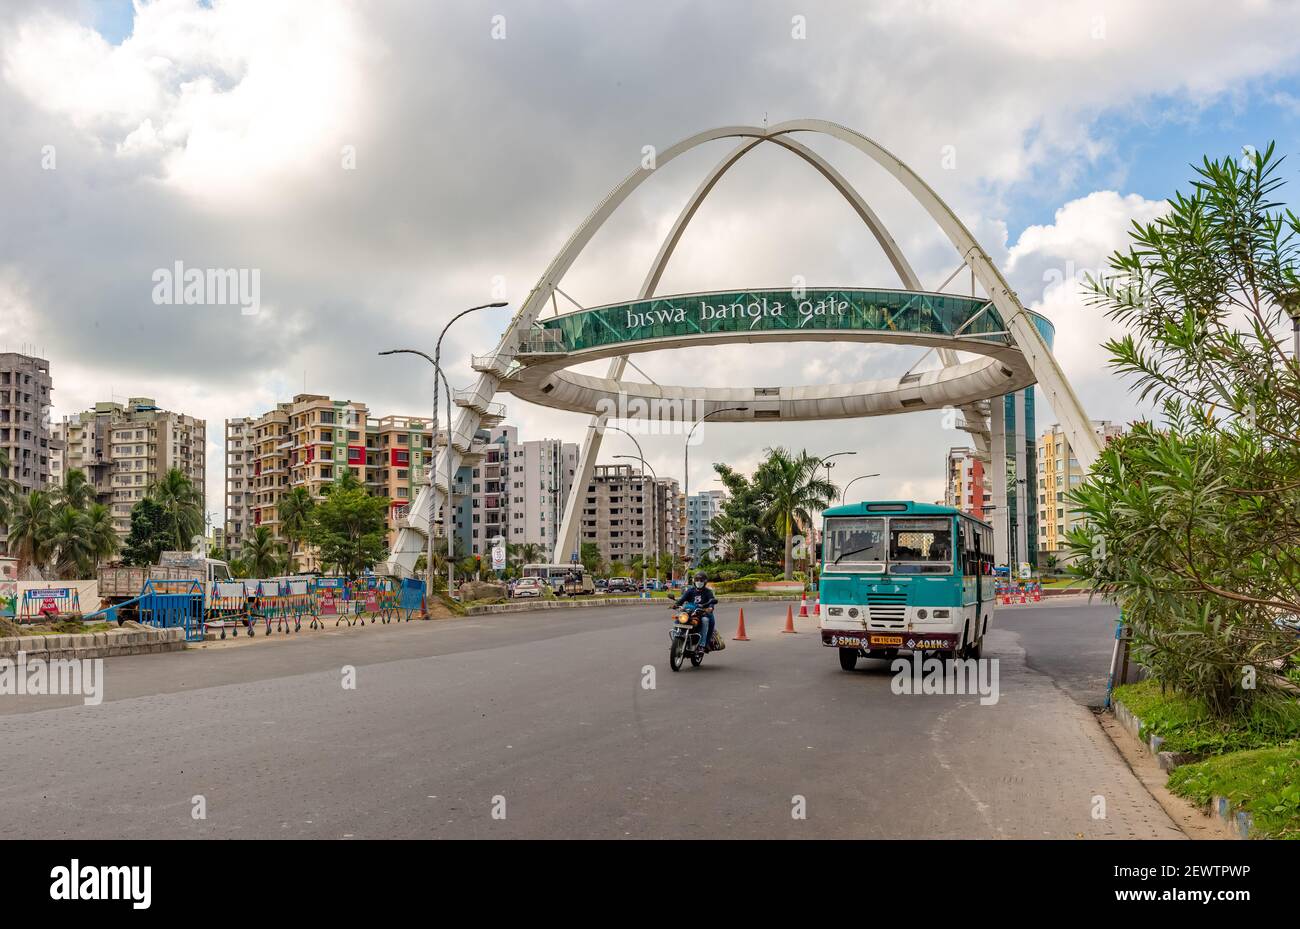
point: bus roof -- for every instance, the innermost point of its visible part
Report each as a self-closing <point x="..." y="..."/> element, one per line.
<point x="886" y="507"/>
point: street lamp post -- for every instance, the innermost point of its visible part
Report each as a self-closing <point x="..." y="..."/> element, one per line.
<point x="653" y="513"/>
<point x="844" y="494"/>
<point x="436" y="361"/>
<point x="826" y="461"/>
<point x="686" y="469"/>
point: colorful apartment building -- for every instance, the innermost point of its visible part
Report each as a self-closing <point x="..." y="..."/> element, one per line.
<point x="966" y="487"/>
<point x="1058" y="473"/>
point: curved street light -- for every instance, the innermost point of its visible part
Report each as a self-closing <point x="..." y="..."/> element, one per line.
<point x="686" y="469"/>
<point x="844" y="494"/>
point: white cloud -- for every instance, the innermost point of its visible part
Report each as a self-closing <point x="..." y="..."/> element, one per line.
<point x="212" y="135"/>
<point x="1049" y="266"/>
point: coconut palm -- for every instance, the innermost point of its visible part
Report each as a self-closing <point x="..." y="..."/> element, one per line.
<point x="181" y="500"/>
<point x="530" y="553"/>
<point x="295" y="517"/>
<point x="68" y="541"/>
<point x="346" y="480"/>
<point x="75" y="491"/>
<point x="260" y="553"/>
<point x="29" y="529"/>
<point x="791" y="489"/>
<point x="101" y="538"/>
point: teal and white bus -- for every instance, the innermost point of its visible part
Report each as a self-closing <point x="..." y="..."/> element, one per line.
<point x="904" y="576"/>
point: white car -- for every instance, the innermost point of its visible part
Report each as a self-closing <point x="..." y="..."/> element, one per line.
<point x="527" y="587"/>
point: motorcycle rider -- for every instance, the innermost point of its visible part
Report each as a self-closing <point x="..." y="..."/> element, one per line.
<point x="701" y="598"/>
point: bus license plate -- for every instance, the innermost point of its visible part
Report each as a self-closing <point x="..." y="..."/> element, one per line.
<point x="885" y="640"/>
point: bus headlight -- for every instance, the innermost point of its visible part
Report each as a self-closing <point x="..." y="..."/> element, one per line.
<point x="940" y="614"/>
<point x="835" y="611"/>
<point x="921" y="614"/>
<point x="853" y="612"/>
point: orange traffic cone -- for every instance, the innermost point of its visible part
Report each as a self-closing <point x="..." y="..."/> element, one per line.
<point x="740" y="630"/>
<point x="789" y="619"/>
<point x="803" y="606"/>
<point x="817" y="609"/>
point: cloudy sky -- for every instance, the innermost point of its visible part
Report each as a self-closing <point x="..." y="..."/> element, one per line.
<point x="383" y="163"/>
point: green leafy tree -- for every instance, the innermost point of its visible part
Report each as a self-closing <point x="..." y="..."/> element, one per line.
<point x="1194" y="524"/>
<point x="183" y="503"/>
<point x="152" y="532"/>
<point x="349" y="527"/>
<point x="739" y="531"/>
<point x="589" y="555"/>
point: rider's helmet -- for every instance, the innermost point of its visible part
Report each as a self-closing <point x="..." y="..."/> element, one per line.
<point x="701" y="578"/>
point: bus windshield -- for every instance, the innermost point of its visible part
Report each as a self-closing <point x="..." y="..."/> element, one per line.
<point x="855" y="540"/>
<point x="920" y="545"/>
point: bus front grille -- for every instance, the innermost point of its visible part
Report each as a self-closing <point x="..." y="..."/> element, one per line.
<point x="887" y="611"/>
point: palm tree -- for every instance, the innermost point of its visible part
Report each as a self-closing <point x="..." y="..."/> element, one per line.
<point x="529" y="553"/>
<point x="75" y="491"/>
<point x="68" y="541"/>
<point x="260" y="553"/>
<point x="29" y="529"/>
<point x="179" y="498"/>
<point x="295" y="516"/>
<point x="346" y="480"/>
<point x="791" y="489"/>
<point x="101" y="538"/>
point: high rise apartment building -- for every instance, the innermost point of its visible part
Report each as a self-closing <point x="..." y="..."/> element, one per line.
<point x="123" y="449"/>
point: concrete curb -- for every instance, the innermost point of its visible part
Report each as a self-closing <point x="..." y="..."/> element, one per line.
<point x="131" y="639"/>
<point x="1235" y="823"/>
<point x="587" y="603"/>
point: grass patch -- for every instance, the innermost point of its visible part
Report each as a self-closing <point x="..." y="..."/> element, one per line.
<point x="1187" y="726"/>
<point x="1058" y="582"/>
<point x="1264" y="781"/>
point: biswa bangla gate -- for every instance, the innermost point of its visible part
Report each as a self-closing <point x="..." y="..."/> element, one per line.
<point x="994" y="390"/>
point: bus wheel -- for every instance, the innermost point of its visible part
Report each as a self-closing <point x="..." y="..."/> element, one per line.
<point x="848" y="658"/>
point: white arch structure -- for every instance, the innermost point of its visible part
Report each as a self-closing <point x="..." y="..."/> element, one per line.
<point x="986" y="427"/>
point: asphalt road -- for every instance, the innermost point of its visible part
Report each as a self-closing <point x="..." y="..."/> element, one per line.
<point x="548" y="724"/>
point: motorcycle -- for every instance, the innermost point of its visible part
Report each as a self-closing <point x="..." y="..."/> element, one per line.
<point x="685" y="635"/>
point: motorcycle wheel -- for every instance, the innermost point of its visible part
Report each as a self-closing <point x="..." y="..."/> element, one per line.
<point x="677" y="653"/>
<point x="696" y="660"/>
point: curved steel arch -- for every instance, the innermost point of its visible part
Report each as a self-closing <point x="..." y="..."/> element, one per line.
<point x="592" y="441"/>
<point x="1048" y="373"/>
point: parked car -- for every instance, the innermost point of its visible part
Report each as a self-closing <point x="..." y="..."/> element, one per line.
<point x="620" y="585"/>
<point x="527" y="587"/>
<point x="601" y="584"/>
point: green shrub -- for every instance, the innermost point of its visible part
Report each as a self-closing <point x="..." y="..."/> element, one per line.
<point x="738" y="586"/>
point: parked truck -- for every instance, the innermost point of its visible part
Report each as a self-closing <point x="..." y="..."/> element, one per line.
<point x="120" y="583"/>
